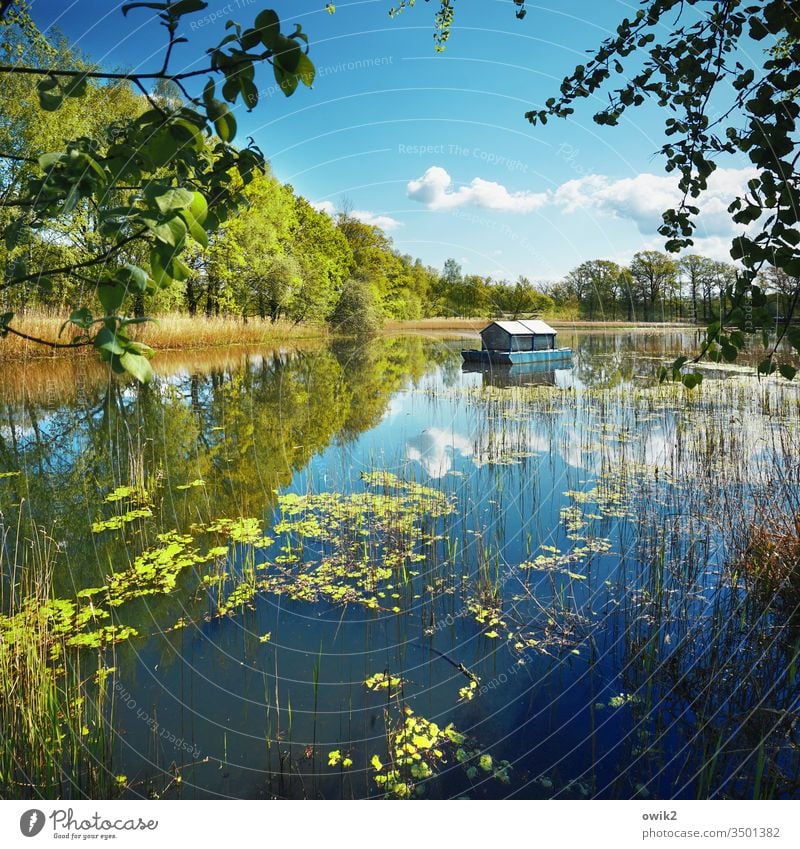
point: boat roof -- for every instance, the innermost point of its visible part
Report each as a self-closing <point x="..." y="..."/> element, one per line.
<point x="524" y="327"/>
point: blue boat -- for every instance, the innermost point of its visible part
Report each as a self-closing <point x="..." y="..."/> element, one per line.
<point x="514" y="342"/>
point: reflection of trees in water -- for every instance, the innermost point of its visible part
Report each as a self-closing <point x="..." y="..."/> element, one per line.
<point x="244" y="430"/>
<point x="610" y="359"/>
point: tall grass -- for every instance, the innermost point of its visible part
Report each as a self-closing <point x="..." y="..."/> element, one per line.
<point x="54" y="714"/>
<point x="168" y="332"/>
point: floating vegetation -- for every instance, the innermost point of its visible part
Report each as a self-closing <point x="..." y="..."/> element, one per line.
<point x="156" y="570"/>
<point x="487" y="614"/>
<point x="623" y="699"/>
<point x="117" y="522"/>
<point x="367" y="539"/>
<point x="383" y="681"/>
<point x="102" y="637"/>
<point x="336" y="758"/>
<point x="191" y="485"/>
<point x="418" y="748"/>
<point x="243" y="531"/>
<point x="138" y="506"/>
<point x="241" y="596"/>
<point x="556" y="560"/>
<point x="129" y="493"/>
<point x="467" y="693"/>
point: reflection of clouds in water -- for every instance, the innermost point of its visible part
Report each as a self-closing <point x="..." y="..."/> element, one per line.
<point x="434" y="449"/>
<point x="497" y="445"/>
<point x="654" y="449"/>
<point x="659" y="448"/>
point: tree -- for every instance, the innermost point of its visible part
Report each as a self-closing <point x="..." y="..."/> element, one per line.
<point x="742" y="56"/>
<point x="785" y="291"/>
<point x="249" y="249"/>
<point x="594" y="285"/>
<point x="356" y="312"/>
<point x="325" y="260"/>
<point x="520" y="299"/>
<point x="694" y="270"/>
<point x="653" y="273"/>
<point x="158" y="180"/>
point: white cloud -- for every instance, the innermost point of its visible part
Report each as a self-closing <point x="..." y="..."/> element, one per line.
<point x="643" y="199"/>
<point x="324" y="206"/>
<point x="434" y="189"/>
<point x="385" y="222"/>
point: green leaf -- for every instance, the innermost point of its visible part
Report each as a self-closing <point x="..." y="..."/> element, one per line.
<point x="111" y="293"/>
<point x="137" y="365"/>
<point x="49" y="92"/>
<point x="75" y="87"/>
<point x="106" y="340"/>
<point x="133" y="277"/>
<point x="288" y="55"/>
<point x="198" y="207"/>
<point x="692" y="380"/>
<point x="306" y="70"/>
<point x="160" y="268"/>
<point x="48" y="160"/>
<point x="268" y="26"/>
<point x="793" y="337"/>
<point x="180" y="270"/>
<point x="185" y="7"/>
<point x="172" y="199"/>
<point x="13" y="233"/>
<point x="50" y="102"/>
<point x="787" y="371"/>
<point x="286" y="82"/>
<point x="196" y="230"/>
<point x="171" y="232"/>
<point x="5" y="320"/>
<point x="128" y="6"/>
<point x="81" y="318"/>
<point x="225" y="126"/>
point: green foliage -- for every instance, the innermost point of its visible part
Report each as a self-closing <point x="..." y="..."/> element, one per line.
<point x="520" y="300"/>
<point x="146" y="187"/>
<point x="356" y="311"/>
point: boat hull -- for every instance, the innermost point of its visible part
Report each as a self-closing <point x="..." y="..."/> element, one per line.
<point x="550" y="355"/>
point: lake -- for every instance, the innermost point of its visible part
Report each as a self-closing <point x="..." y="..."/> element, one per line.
<point x="357" y="569"/>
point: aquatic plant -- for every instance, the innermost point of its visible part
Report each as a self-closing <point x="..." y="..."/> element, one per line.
<point x="418" y="748"/>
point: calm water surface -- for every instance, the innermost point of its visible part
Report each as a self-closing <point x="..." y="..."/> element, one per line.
<point x="544" y="566"/>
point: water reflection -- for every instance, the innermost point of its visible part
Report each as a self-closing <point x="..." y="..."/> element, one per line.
<point x="541" y="581"/>
<point x="530" y="374"/>
<point x="434" y="450"/>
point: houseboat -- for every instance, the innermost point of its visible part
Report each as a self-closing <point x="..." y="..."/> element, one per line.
<point x="521" y="341"/>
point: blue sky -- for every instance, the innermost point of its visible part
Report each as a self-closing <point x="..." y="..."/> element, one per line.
<point x="435" y="147"/>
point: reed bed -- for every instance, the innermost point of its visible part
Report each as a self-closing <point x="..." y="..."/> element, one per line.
<point x="54" y="713"/>
<point x="165" y="333"/>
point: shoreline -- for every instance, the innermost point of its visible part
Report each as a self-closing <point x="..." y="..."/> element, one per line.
<point x="183" y="333"/>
